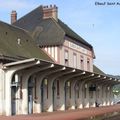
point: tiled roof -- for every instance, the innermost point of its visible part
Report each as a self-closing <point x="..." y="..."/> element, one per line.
<point x="18" y="44"/>
<point x="69" y="32"/>
<point x="97" y="70"/>
<point x="49" y="31"/>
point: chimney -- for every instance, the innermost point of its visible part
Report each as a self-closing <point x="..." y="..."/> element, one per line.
<point x="50" y="12"/>
<point x="13" y="16"/>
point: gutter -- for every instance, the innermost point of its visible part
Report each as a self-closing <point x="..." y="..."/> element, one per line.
<point x="19" y="62"/>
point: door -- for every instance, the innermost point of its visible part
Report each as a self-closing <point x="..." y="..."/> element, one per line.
<point x="53" y="91"/>
<point x="30" y="100"/>
<point x="13" y="99"/>
<point x="42" y="96"/>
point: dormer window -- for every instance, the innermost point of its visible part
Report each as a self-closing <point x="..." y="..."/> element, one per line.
<point x="19" y="41"/>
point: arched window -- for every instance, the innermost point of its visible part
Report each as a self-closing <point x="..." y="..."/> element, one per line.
<point x="82" y="62"/>
<point x="66" y="58"/>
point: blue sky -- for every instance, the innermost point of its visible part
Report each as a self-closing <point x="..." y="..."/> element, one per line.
<point x="97" y="24"/>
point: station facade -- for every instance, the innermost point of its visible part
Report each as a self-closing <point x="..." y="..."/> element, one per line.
<point x="45" y="67"/>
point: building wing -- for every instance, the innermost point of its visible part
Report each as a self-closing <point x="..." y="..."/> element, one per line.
<point x="49" y="30"/>
<point x="16" y="44"/>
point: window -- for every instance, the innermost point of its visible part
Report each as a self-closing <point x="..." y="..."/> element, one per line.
<point x="35" y="88"/>
<point x="66" y="58"/>
<point x="81" y="62"/>
<point x="74" y="60"/>
<point x="85" y="91"/>
<point x="88" y="64"/>
<point x="21" y="94"/>
<point x="69" y="86"/>
<point x="77" y="89"/>
<point x="46" y="85"/>
<point x="19" y="41"/>
<point x="58" y="86"/>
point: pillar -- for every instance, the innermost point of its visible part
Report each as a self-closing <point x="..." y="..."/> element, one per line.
<point x="86" y="100"/>
<point x="81" y="99"/>
<point x="17" y="95"/>
<point x="72" y="95"/>
<point x="37" y="98"/>
<point x="8" y="78"/>
<point x="25" y="95"/>
<point x="104" y="95"/>
<point x="111" y="95"/>
<point x="62" y="96"/>
<point x="2" y="101"/>
<point x="50" y="96"/>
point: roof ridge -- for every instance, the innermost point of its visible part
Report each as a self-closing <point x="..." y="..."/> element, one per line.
<point x="27" y="14"/>
<point x="74" y="33"/>
<point x="16" y="27"/>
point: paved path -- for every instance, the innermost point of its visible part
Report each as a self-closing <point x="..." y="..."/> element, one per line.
<point x="66" y="115"/>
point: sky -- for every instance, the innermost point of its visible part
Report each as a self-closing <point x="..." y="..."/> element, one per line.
<point x="97" y="24"/>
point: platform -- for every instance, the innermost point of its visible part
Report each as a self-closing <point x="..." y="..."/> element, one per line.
<point x="66" y="115"/>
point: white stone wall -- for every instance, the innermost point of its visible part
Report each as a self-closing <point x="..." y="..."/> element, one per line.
<point x="58" y="55"/>
<point x="79" y="51"/>
<point x="2" y="94"/>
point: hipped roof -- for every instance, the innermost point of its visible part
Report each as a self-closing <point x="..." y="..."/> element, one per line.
<point x="47" y="31"/>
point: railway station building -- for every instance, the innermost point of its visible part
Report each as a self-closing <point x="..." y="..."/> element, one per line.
<point x="45" y="66"/>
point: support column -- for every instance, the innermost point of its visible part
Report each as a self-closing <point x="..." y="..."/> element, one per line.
<point x="8" y="78"/>
<point x="77" y="95"/>
<point x="2" y="101"/>
<point x="25" y="95"/>
<point x="50" y="96"/>
<point x="17" y="95"/>
<point x="108" y="96"/>
<point x="111" y="95"/>
<point x="100" y="96"/>
<point x="81" y="98"/>
<point x="94" y="99"/>
<point x="72" y="95"/>
<point x="37" y="100"/>
<point x="104" y="95"/>
<point x="86" y="100"/>
<point x="62" y="95"/>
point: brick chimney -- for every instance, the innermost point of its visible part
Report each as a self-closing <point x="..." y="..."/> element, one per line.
<point x="13" y="16"/>
<point x="50" y="12"/>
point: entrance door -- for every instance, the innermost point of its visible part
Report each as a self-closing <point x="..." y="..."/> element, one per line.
<point x="13" y="99"/>
<point x="65" y="95"/>
<point x="30" y="100"/>
<point x="42" y="96"/>
<point x="53" y="91"/>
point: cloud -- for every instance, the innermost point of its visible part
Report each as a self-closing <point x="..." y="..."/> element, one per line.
<point x="15" y="4"/>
